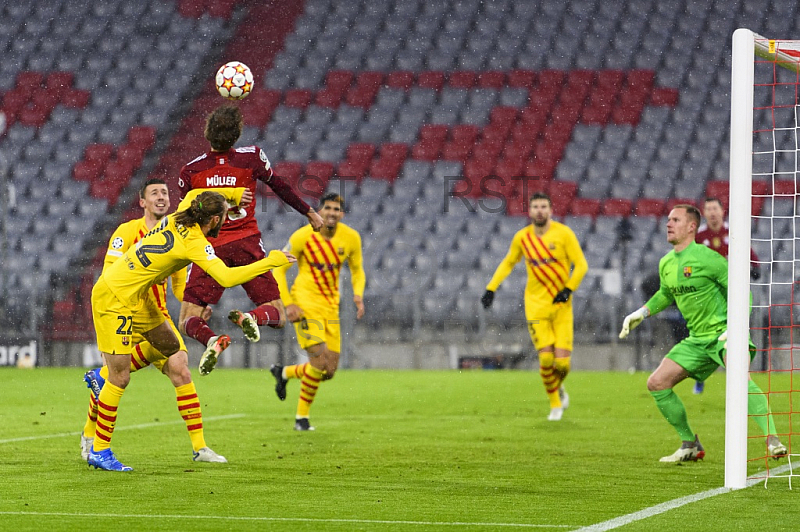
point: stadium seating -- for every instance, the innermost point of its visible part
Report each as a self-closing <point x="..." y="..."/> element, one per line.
<point x="410" y="104"/>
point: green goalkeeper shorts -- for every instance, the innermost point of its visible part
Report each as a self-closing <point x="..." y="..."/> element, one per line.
<point x="701" y="356"/>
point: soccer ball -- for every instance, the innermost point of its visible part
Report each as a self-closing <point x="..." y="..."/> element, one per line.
<point x="234" y="80"/>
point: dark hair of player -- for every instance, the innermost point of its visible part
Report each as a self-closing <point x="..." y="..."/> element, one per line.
<point x="691" y="211"/>
<point x="331" y="196"/>
<point x="712" y="199"/>
<point x="205" y="206"/>
<point x="224" y="127"/>
<point x="540" y="195"/>
<point x="151" y="181"/>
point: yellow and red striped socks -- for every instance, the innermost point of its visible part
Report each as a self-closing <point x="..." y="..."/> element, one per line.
<point x="107" y="405"/>
<point x="550" y="379"/>
<point x="309" y="383"/>
<point x="189" y="408"/>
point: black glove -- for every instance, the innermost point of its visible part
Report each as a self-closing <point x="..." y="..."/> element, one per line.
<point x="755" y="272"/>
<point x="487" y="298"/>
<point x="563" y="296"/>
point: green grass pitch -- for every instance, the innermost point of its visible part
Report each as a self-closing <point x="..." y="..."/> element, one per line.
<point x="393" y="450"/>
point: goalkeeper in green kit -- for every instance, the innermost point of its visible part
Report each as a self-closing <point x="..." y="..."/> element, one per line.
<point x="695" y="277"/>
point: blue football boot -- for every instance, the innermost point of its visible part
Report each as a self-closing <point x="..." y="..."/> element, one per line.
<point x="94" y="381"/>
<point x="106" y="460"/>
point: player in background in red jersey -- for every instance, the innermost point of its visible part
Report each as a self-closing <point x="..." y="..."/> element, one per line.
<point x="239" y="240"/>
<point x="714" y="234"/>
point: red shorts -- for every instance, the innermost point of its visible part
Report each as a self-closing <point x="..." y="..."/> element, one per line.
<point x="202" y="289"/>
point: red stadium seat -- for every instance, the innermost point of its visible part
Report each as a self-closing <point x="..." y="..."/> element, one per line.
<point x="100" y="153"/>
<point x="596" y="115"/>
<point x="360" y="152"/>
<point x="191" y="8"/>
<point x="288" y="170"/>
<point x="465" y="133"/>
<point x="352" y="169"/>
<point x="563" y="191"/>
<point x="640" y="79"/>
<point x="551" y="78"/>
<point x="434" y="132"/>
<point x="221" y="8"/>
<point x="463" y="79"/>
<point x="522" y="79"/>
<point x="87" y="170"/>
<point x="494" y="79"/>
<point x="321" y="169"/>
<point x="617" y="207"/>
<point x="503" y="115"/>
<point x="649" y="207"/>
<point x="14" y="100"/>
<point x="585" y="207"/>
<point x="328" y="98"/>
<point x="457" y="150"/>
<point x="610" y="78"/>
<point x="339" y="79"/>
<point x="400" y="80"/>
<point x="427" y="149"/>
<point x="33" y="115"/>
<point x="393" y="151"/>
<point x="300" y="98"/>
<point x="433" y="79"/>
<point x="373" y="80"/>
<point x="385" y="169"/>
<point x="76" y="98"/>
<point x="665" y="97"/>
<point x="29" y="80"/>
<point x="142" y="136"/>
<point x="361" y="96"/>
<point x="784" y="188"/>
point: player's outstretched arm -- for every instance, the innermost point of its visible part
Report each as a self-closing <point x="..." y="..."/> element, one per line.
<point x="633" y="320"/>
<point x="229" y="277"/>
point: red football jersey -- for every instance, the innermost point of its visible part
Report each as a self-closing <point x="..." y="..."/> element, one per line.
<point x="717" y="240"/>
<point x="238" y="167"/>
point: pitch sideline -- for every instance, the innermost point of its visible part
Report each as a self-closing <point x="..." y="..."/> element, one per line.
<point x="132" y="427"/>
<point x="675" y="503"/>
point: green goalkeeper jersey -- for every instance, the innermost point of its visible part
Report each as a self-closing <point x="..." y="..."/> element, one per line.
<point x="696" y="279"/>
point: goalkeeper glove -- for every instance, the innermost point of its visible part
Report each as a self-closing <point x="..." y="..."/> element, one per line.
<point x="633" y="320"/>
<point x="562" y="296"/>
<point x="487" y="298"/>
<point x="724" y="338"/>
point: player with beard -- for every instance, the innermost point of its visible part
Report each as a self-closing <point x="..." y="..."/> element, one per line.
<point x="154" y="200"/>
<point x="556" y="266"/>
<point x="239" y="241"/>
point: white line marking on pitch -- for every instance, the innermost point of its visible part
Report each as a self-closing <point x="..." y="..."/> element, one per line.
<point x="671" y="505"/>
<point x="132" y="427"/>
<point x="286" y="519"/>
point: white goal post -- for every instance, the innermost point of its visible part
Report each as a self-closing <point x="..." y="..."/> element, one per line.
<point x="741" y="170"/>
<point x="748" y="50"/>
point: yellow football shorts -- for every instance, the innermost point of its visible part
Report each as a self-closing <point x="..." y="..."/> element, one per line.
<point x="320" y="324"/>
<point x="115" y="324"/>
<point x="550" y="324"/>
<point x="160" y="359"/>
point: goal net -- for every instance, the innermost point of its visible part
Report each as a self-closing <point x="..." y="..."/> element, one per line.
<point x="765" y="215"/>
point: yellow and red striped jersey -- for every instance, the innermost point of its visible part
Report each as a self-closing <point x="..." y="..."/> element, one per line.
<point x="554" y="261"/>
<point x="128" y="235"/>
<point x="319" y="263"/>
